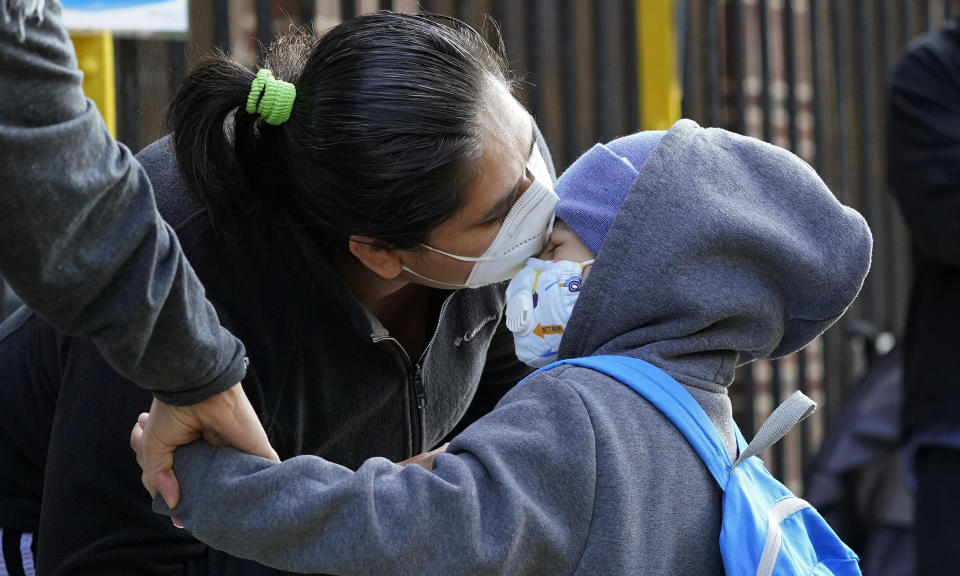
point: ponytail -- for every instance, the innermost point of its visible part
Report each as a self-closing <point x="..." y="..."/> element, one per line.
<point x="382" y="140"/>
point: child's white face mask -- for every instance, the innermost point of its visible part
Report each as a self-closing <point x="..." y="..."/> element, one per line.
<point x="540" y="299"/>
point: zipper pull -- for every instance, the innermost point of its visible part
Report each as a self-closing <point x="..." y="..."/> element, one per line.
<point x="418" y="386"/>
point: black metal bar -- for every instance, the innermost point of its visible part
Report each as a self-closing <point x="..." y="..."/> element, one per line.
<point x="767" y="102"/>
<point x="790" y="72"/>
<point x="927" y="20"/>
<point x="683" y="24"/>
<point x="820" y="157"/>
<point x="3" y="300"/>
<point x="535" y="61"/>
<point x="803" y="387"/>
<point x="735" y="36"/>
<point x="776" y="392"/>
<point x="835" y="361"/>
<point x="348" y="9"/>
<point x="264" y="24"/>
<point x="877" y="293"/>
<point x="510" y="17"/>
<point x="571" y="73"/>
<point x="839" y="34"/>
<point x="385" y="5"/>
<point x="128" y="101"/>
<point x="750" y="385"/>
<point x="890" y="49"/>
<point x="462" y="11"/>
<point x="899" y="271"/>
<point x="790" y="76"/>
<point x="178" y="62"/>
<point x="816" y="82"/>
<point x="907" y="18"/>
<point x="604" y="79"/>
<point x="712" y="47"/>
<point x="308" y="12"/>
<point x="632" y="60"/>
<point x="736" y="31"/>
<point x="221" y="34"/>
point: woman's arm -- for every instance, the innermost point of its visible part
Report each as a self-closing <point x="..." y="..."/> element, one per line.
<point x="512" y="495"/>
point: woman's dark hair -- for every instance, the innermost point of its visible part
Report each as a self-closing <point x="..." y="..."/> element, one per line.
<point x="382" y="141"/>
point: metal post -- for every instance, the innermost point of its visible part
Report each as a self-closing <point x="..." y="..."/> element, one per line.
<point x="739" y="64"/>
<point x="790" y="70"/>
<point x="633" y="65"/>
<point x="129" y="88"/>
<point x="568" y="28"/>
<point x="712" y="47"/>
<point x="221" y="10"/>
<point x="348" y="9"/>
<point x="767" y="102"/>
<point x="264" y="24"/>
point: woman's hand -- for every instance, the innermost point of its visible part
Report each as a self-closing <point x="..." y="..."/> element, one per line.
<point x="425" y="460"/>
<point x="226" y="419"/>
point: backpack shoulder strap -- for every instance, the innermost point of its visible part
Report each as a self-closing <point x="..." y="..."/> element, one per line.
<point x="781" y="421"/>
<point x="671" y="399"/>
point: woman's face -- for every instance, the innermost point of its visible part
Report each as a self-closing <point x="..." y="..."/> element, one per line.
<point x="507" y="139"/>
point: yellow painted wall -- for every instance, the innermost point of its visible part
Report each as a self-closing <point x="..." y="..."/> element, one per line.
<point x="95" y="57"/>
<point x="660" y="89"/>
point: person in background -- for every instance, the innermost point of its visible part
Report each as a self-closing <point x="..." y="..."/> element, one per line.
<point x="923" y="163"/>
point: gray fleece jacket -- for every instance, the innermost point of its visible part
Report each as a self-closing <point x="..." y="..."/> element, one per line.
<point x="726" y="250"/>
<point x="81" y="241"/>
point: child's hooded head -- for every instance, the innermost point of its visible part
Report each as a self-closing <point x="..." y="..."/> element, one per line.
<point x="713" y="249"/>
<point x="541" y="297"/>
<point x="593" y="188"/>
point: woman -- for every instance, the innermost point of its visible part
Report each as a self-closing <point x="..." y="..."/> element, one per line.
<point x="330" y="242"/>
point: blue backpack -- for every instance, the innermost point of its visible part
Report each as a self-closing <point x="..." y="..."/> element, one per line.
<point x="766" y="530"/>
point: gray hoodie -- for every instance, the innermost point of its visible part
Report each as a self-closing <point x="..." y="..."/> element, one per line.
<point x="726" y="250"/>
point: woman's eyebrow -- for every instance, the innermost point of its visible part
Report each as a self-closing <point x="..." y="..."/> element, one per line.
<point x="503" y="205"/>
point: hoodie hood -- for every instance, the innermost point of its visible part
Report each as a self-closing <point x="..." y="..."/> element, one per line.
<point x="726" y="249"/>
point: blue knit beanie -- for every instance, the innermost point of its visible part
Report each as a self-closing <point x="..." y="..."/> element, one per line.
<point x="594" y="187"/>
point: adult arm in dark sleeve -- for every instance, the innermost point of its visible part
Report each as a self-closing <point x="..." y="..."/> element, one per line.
<point x="923" y="146"/>
<point x="81" y="241"/>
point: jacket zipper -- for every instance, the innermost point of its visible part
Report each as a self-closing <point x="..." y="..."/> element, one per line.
<point x="414" y="377"/>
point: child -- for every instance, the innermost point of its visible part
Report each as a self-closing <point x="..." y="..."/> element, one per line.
<point x="713" y="250"/>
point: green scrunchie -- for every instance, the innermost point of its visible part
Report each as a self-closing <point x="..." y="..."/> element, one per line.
<point x="277" y="101"/>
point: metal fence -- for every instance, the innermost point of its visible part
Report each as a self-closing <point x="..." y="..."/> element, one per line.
<point x="808" y="75"/>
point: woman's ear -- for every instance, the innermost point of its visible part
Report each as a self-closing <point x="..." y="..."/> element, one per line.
<point x="382" y="260"/>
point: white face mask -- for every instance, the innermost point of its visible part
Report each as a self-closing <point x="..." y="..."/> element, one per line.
<point x="540" y="299"/>
<point x="523" y="233"/>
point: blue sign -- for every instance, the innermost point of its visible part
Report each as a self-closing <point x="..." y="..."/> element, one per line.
<point x="105" y="4"/>
<point x="133" y="16"/>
